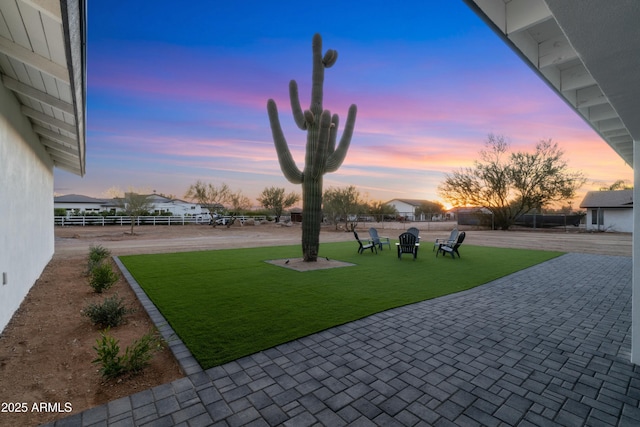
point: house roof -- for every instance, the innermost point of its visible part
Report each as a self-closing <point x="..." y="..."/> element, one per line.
<point x="608" y="199"/>
<point x="43" y="61"/>
<point x="156" y="198"/>
<point x="586" y="51"/>
<point x="469" y="209"/>
<point x="412" y="202"/>
<point x="77" y="198"/>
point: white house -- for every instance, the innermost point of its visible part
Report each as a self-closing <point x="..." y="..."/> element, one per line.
<point x="42" y="126"/>
<point x="407" y="208"/>
<point x="79" y="204"/>
<point x="609" y="210"/>
<point x="176" y="207"/>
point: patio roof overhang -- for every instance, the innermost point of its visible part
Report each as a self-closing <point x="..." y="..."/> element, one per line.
<point x="43" y="61"/>
<point x="587" y="51"/>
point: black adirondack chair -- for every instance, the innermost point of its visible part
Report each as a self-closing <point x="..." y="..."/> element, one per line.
<point x="364" y="245"/>
<point x="408" y="245"/>
<point x="377" y="240"/>
<point x="452" y="248"/>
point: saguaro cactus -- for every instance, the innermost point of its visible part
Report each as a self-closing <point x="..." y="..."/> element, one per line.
<point x="321" y="156"/>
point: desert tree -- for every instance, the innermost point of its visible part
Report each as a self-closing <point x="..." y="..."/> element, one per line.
<point x="209" y="196"/>
<point x="429" y="208"/>
<point x="620" y="184"/>
<point x="512" y="184"/>
<point x="380" y="210"/>
<point x="239" y="203"/>
<point x="275" y="200"/>
<point x="342" y="204"/>
<point x="134" y="205"/>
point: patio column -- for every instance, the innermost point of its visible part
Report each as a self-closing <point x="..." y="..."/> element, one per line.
<point x="635" y="298"/>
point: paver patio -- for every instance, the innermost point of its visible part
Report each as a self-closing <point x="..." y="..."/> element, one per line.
<point x="548" y="345"/>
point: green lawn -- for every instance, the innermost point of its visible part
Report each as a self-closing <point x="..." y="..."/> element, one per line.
<point x="226" y="304"/>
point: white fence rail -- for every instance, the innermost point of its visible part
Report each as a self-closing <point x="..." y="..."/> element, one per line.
<point x="99" y="220"/>
<point x="65" y="221"/>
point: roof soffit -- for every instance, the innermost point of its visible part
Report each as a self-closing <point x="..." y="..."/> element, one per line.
<point x="36" y="38"/>
<point x="586" y="51"/>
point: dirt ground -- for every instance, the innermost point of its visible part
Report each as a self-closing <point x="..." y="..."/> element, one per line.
<point x="47" y="348"/>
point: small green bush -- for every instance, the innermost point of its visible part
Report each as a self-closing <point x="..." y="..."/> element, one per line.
<point x="108" y="351"/>
<point x="102" y="277"/>
<point x="136" y="357"/>
<point x="97" y="254"/>
<point x="109" y="314"/>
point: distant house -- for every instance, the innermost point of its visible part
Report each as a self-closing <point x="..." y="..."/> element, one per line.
<point x="609" y="210"/>
<point x="407" y="208"/>
<point x="77" y="204"/>
<point x="175" y="207"/>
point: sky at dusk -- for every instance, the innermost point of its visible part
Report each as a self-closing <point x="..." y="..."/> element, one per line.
<point x="177" y="92"/>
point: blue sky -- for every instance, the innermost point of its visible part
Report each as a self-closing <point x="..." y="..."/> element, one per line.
<point x="177" y="94"/>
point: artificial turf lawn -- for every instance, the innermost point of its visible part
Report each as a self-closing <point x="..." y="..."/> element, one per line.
<point x="225" y="304"/>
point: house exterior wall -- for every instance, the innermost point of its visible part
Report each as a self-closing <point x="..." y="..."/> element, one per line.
<point x="26" y="229"/>
<point x="81" y="207"/>
<point x="635" y="277"/>
<point x="179" y="208"/>
<point x="403" y="208"/>
<point x="613" y="219"/>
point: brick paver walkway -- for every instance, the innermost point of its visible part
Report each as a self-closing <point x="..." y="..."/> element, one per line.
<point x="545" y="346"/>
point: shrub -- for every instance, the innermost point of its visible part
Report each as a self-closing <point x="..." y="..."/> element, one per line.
<point x="108" y="351"/>
<point x="109" y="314"/>
<point x="136" y="357"/>
<point x="102" y="277"/>
<point x="97" y="254"/>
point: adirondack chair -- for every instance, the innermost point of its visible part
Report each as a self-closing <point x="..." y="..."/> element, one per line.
<point x="415" y="232"/>
<point x="364" y="246"/>
<point x="452" y="248"/>
<point x="407" y="245"/>
<point x="453" y="236"/>
<point x="377" y="240"/>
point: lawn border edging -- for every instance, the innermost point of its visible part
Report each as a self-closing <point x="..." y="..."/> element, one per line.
<point x="181" y="352"/>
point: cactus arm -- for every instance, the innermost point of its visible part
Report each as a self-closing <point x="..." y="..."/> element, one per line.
<point x="333" y="132"/>
<point x="335" y="160"/>
<point x="330" y="58"/>
<point x="320" y="153"/>
<point x="317" y="77"/>
<point x="295" y="105"/>
<point x="309" y="117"/>
<point x="287" y="164"/>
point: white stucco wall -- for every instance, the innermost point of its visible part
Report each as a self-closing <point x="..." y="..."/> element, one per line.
<point x="26" y="191"/>
<point x="619" y="220"/>
<point x="403" y="208"/>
